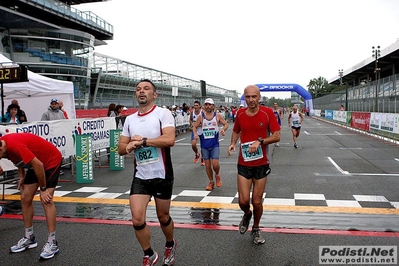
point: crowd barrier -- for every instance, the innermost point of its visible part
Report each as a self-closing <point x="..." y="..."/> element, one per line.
<point x="381" y="124"/>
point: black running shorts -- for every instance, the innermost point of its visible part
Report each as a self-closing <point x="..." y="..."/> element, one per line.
<point x="52" y="176"/>
<point x="257" y="172"/>
<point x="159" y="188"/>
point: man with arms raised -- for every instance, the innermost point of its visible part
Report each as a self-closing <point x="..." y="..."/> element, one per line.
<point x="252" y="126"/>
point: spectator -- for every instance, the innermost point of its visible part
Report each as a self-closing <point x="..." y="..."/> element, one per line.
<point x="342" y="108"/>
<point x="53" y="111"/>
<point x="124" y="111"/>
<point x="234" y="113"/>
<point x="118" y="110"/>
<point x="111" y="110"/>
<point x="11" y="115"/>
<point x="111" y="113"/>
<point x="61" y="103"/>
<point x="21" y="114"/>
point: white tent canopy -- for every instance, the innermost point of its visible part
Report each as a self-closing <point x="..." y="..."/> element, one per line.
<point x="34" y="96"/>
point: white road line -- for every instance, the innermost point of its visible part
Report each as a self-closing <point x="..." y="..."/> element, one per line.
<point x="359" y="174"/>
<point x="337" y="132"/>
<point x="350" y="148"/>
<point x="338" y="168"/>
<point x="368" y="174"/>
<point x="397" y="159"/>
<point x="307" y="133"/>
<point x="178" y="140"/>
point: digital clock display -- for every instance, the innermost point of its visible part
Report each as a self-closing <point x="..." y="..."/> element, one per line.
<point x="13" y="74"/>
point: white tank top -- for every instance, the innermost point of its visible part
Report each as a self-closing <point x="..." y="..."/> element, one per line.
<point x="195" y="117"/>
<point x="295" y="119"/>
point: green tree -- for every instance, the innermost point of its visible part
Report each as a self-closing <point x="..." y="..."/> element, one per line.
<point x="320" y="87"/>
<point x="317" y="87"/>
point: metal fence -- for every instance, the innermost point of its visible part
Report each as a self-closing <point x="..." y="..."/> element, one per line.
<point x="378" y="96"/>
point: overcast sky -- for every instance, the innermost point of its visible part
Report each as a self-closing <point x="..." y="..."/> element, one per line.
<point x="232" y="44"/>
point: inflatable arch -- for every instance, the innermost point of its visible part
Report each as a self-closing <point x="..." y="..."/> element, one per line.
<point x="286" y="87"/>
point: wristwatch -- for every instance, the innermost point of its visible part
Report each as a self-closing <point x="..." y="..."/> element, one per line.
<point x="144" y="142"/>
<point x="261" y="140"/>
<point x="43" y="188"/>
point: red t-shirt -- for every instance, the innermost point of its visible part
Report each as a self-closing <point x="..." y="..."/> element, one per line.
<point x="23" y="147"/>
<point x="254" y="127"/>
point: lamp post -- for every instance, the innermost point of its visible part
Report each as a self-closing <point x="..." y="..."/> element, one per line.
<point x="376" y="55"/>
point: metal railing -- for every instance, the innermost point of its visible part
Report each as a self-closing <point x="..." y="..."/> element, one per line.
<point x="377" y="96"/>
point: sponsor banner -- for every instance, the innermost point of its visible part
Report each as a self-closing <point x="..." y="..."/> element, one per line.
<point x="361" y="120"/>
<point x="97" y="128"/>
<point x="329" y="114"/>
<point x="387" y="122"/>
<point x="348" y="118"/>
<point x="84" y="159"/>
<point x="396" y="124"/>
<point x="375" y="120"/>
<point x="63" y="133"/>
<point x="364" y="255"/>
<point x="116" y="162"/>
<point x="382" y="121"/>
<point x="54" y="132"/>
<point x="317" y="112"/>
<point x="339" y="116"/>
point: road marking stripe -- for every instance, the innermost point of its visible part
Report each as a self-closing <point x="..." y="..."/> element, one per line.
<point x="338" y="168"/>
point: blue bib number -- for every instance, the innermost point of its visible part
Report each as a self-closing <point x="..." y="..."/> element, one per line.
<point x="251" y="156"/>
<point x="209" y="133"/>
<point x="146" y="155"/>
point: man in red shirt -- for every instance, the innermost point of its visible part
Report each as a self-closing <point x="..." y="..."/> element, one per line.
<point x="43" y="162"/>
<point x="256" y="127"/>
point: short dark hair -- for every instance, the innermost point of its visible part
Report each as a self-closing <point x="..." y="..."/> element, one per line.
<point x="149" y="81"/>
<point x="12" y="106"/>
<point x="197" y="102"/>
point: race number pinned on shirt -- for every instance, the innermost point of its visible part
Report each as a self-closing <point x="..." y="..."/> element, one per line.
<point x="251" y="156"/>
<point x="209" y="133"/>
<point x="146" y="155"/>
<point x="296" y="123"/>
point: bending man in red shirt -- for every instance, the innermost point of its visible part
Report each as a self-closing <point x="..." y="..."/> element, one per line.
<point x="43" y="162"/>
<point x="256" y="127"/>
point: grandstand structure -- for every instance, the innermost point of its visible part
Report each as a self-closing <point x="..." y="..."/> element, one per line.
<point x="110" y="73"/>
<point x="372" y="85"/>
<point x="56" y="39"/>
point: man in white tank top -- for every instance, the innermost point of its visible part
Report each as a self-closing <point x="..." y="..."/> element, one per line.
<point x="193" y="118"/>
<point x="295" y="120"/>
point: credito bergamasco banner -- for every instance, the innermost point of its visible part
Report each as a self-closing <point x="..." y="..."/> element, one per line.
<point x="62" y="133"/>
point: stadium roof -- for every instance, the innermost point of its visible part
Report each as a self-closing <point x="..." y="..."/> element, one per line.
<point x="388" y="63"/>
<point x="17" y="14"/>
